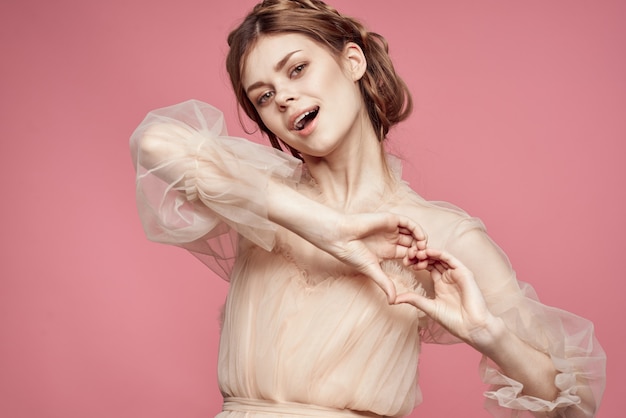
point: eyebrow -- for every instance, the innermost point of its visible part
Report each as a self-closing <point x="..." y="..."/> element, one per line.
<point x="279" y="66"/>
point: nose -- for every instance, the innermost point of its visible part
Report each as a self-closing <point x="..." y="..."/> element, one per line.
<point x="284" y="97"/>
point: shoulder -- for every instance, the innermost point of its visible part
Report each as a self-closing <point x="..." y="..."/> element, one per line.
<point x="440" y="220"/>
<point x="452" y="229"/>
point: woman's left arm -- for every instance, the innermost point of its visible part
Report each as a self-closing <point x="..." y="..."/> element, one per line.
<point x="537" y="358"/>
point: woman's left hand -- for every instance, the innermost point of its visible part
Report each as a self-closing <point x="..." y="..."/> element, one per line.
<point x="458" y="304"/>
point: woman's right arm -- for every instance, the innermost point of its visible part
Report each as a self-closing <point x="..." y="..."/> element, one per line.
<point x="192" y="178"/>
<point x="359" y="240"/>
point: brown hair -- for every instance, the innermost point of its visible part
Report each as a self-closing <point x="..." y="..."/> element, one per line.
<point x="386" y="96"/>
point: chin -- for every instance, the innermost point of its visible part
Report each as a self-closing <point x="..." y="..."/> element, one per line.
<point x="317" y="153"/>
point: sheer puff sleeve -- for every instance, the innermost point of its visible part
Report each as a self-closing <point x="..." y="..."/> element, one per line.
<point x="200" y="189"/>
<point x="568" y="339"/>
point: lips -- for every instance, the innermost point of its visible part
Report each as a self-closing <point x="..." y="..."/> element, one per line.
<point x="303" y="119"/>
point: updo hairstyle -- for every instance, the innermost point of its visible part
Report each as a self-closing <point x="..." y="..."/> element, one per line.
<point x="385" y="94"/>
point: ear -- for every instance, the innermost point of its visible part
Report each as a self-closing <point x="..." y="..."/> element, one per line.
<point x="355" y="63"/>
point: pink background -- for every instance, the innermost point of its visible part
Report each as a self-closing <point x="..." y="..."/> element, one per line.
<point x="520" y="119"/>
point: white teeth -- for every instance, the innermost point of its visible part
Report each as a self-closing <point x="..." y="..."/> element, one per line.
<point x="296" y="124"/>
<point x="300" y="122"/>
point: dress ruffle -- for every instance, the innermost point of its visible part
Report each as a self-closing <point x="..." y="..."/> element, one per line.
<point x="577" y="356"/>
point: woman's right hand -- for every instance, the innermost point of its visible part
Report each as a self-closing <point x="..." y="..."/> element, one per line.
<point x="361" y="240"/>
<point x="364" y="240"/>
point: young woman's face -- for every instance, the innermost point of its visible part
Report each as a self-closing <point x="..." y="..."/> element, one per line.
<point x="305" y="95"/>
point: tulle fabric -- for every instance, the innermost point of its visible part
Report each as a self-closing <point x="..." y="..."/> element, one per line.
<point x="568" y="339"/>
<point x="301" y="329"/>
<point x="204" y="188"/>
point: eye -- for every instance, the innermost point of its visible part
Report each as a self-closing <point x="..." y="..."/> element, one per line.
<point x="265" y="97"/>
<point x="297" y="70"/>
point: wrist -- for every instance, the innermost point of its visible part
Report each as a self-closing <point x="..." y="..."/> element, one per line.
<point x="519" y="361"/>
<point x="490" y="337"/>
<point x="311" y="220"/>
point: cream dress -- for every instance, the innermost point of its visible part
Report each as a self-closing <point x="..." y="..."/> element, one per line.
<point x="302" y="334"/>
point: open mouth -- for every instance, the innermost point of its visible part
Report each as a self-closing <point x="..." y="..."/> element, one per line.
<point x="303" y="120"/>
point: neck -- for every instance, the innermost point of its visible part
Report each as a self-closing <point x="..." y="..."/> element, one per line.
<point x="355" y="173"/>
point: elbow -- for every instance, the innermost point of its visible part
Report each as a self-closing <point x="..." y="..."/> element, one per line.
<point x="152" y="145"/>
<point x="158" y="143"/>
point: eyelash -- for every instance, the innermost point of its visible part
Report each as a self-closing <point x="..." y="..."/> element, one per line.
<point x="297" y="69"/>
<point x="264" y="98"/>
<point x="294" y="72"/>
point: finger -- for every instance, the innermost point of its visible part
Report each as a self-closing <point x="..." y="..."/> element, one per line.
<point x="421" y="255"/>
<point x="411" y="256"/>
<point x="415" y="263"/>
<point x="412" y="234"/>
<point x="382" y="280"/>
<point x="415" y="255"/>
<point x="436" y="274"/>
<point x="430" y="266"/>
<point x="400" y="252"/>
<point x="413" y="227"/>
<point x="405" y="240"/>
<point x="405" y="231"/>
<point x="410" y="242"/>
<point x="420" y="302"/>
<point x="439" y="267"/>
<point x="423" y="243"/>
<point x="419" y="243"/>
<point x="444" y="257"/>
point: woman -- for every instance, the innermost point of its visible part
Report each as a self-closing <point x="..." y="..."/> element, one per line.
<point x="338" y="270"/>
